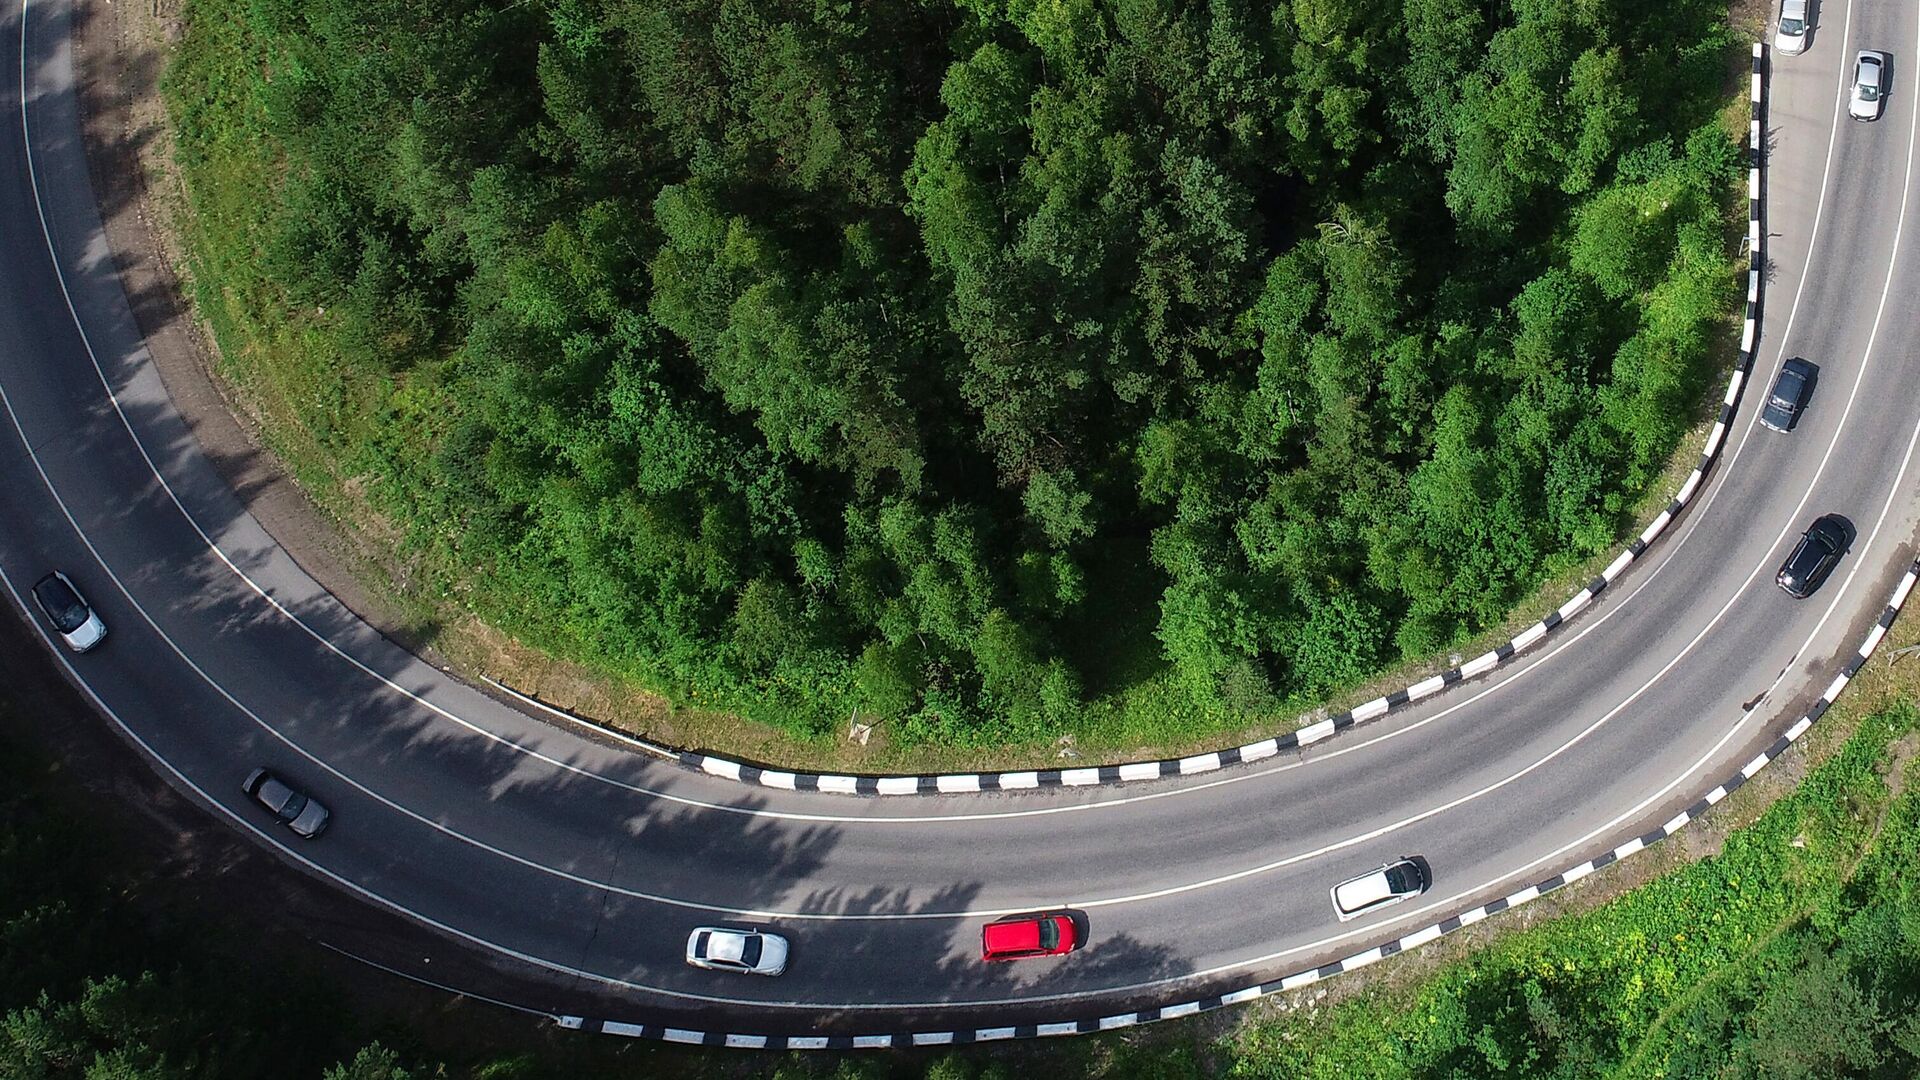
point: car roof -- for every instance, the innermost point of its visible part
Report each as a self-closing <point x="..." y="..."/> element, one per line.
<point x="275" y="789"/>
<point x="1812" y="549"/>
<point x="1015" y="936"/>
<point x="1368" y="888"/>
<point x="726" y="944"/>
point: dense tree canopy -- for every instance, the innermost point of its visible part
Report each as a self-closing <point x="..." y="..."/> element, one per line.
<point x="936" y="356"/>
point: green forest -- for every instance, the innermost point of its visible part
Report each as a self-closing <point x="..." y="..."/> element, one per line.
<point x="990" y="366"/>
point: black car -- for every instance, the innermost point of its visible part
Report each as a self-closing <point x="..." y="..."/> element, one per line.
<point x="1789" y="395"/>
<point x="1814" y="557"/>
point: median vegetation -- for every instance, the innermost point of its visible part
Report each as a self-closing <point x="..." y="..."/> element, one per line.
<point x="997" y="368"/>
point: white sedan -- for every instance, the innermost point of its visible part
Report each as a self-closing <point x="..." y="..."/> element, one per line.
<point x="749" y="952"/>
<point x="1869" y="86"/>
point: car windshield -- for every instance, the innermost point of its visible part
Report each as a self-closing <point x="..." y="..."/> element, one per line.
<point x="1792" y="27"/>
<point x="1399" y="879"/>
<point x="1868" y="79"/>
<point x="295" y="803"/>
<point x="63" y="608"/>
<point x="750" y="951"/>
<point x="1049" y="934"/>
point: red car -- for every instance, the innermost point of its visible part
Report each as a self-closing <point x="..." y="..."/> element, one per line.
<point x="1027" y="935"/>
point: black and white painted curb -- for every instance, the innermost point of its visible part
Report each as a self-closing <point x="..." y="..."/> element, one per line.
<point x="1312" y="975"/>
<point x="956" y="783"/>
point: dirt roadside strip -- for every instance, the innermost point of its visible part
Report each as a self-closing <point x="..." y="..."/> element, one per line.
<point x="120" y="52"/>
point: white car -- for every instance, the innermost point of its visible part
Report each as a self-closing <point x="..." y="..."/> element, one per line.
<point x="79" y="625"/>
<point x="1378" y="888"/>
<point x="1869" y="86"/>
<point x="1790" y="34"/>
<point x="749" y="952"/>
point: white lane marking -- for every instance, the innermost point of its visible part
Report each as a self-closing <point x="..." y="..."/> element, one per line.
<point x="729" y="768"/>
<point x="1826" y="616"/>
<point x="1079" y="775"/>
<point x="726" y="769"/>
<point x="1826" y="171"/>
<point x="1634" y="845"/>
<point x="1886" y="509"/>
<point x="543" y="757"/>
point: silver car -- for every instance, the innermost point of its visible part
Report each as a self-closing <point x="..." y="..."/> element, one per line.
<point x="1869" y="86"/>
<point x="1790" y="34"/>
<point x="1379" y="887"/>
<point x="748" y="952"/>
<point x="296" y="809"/>
<point x="79" y="625"/>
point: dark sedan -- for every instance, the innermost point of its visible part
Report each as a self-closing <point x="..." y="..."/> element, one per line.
<point x="1789" y="395"/>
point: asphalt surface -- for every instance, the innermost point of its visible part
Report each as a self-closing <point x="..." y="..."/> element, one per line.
<point x="529" y="842"/>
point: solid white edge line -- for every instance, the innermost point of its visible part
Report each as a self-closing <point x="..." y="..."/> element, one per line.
<point x="1680" y="820"/>
<point x="723" y="771"/>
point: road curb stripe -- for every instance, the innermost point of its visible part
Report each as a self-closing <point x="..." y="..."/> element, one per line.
<point x="1411" y="940"/>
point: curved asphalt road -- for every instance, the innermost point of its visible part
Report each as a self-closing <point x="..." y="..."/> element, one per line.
<point x="593" y="863"/>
